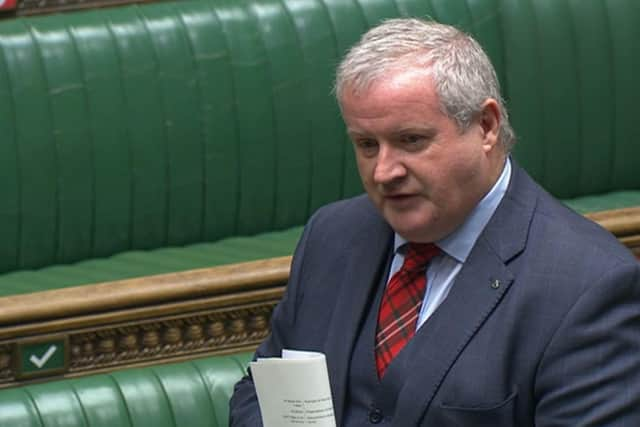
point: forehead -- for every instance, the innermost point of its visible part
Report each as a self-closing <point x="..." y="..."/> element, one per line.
<point x="406" y="94"/>
<point x="398" y="85"/>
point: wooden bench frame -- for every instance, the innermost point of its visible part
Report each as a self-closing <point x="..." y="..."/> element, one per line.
<point x="146" y="320"/>
<point x="170" y="317"/>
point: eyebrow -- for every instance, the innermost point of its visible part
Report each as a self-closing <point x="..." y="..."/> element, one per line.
<point x="353" y="133"/>
<point x="427" y="131"/>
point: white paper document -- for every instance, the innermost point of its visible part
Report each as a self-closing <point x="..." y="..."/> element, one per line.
<point x="294" y="390"/>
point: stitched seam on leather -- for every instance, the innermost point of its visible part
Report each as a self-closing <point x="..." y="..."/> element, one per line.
<point x="208" y="389"/>
<point x="166" y="395"/>
<point x="33" y="404"/>
<point x="82" y="409"/>
<point x="199" y="102"/>
<point x="121" y="394"/>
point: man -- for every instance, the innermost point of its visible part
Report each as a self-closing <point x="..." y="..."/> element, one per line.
<point x="527" y="314"/>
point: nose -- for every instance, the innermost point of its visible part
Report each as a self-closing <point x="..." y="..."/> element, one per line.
<point x="388" y="166"/>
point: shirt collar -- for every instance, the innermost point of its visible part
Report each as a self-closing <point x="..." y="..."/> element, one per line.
<point x="458" y="244"/>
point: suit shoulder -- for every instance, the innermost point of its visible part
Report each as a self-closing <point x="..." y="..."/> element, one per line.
<point x="346" y="221"/>
<point x="577" y="234"/>
<point x="346" y="212"/>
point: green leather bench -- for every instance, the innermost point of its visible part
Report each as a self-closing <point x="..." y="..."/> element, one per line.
<point x="188" y="394"/>
<point x="140" y="143"/>
<point x="147" y="140"/>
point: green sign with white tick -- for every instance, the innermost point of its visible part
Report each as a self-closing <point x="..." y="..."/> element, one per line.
<point x="39" y="358"/>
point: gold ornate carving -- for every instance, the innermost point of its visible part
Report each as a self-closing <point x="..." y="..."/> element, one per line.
<point x="170" y="337"/>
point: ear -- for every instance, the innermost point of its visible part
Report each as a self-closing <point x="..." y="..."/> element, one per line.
<point x="490" y="123"/>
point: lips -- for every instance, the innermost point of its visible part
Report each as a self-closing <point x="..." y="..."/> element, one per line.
<point x="398" y="196"/>
<point x="400" y="199"/>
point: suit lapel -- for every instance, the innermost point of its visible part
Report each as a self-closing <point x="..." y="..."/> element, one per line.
<point x="366" y="265"/>
<point x="478" y="289"/>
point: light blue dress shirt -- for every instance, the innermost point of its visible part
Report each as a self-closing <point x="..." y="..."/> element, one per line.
<point x="444" y="268"/>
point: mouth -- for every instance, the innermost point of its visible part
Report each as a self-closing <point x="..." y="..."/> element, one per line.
<point x="399" y="199"/>
<point x="397" y="195"/>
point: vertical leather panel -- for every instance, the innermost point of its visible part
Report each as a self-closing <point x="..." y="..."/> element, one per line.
<point x="57" y="405"/>
<point x="376" y="11"/>
<point x="187" y="395"/>
<point x="218" y="114"/>
<point x="561" y="113"/>
<point x="145" y="128"/>
<point x="523" y="77"/>
<point x="101" y="402"/>
<point x="253" y="103"/>
<point x="486" y="26"/>
<point x="180" y="96"/>
<point x="18" y="409"/>
<point x="596" y="95"/>
<point x="452" y="12"/>
<point x="144" y="397"/>
<point x="290" y="113"/>
<point x="36" y="146"/>
<point x="348" y="23"/>
<point x="219" y="375"/>
<point x="624" y="24"/>
<point x="106" y="122"/>
<point x="71" y="139"/>
<point x="10" y="222"/>
<point x="415" y="8"/>
<point x="326" y="132"/>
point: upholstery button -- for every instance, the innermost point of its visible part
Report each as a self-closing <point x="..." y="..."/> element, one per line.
<point x="375" y="416"/>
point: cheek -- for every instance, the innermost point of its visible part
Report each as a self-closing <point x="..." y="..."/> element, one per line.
<point x="453" y="176"/>
<point x="365" y="170"/>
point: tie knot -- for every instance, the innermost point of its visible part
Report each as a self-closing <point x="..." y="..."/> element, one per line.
<point x="419" y="254"/>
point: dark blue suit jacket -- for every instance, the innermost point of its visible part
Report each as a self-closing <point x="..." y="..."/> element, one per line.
<point x="555" y="343"/>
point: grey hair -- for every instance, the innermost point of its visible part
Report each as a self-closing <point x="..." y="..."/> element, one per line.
<point x="463" y="75"/>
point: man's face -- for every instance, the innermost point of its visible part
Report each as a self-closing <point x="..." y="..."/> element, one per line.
<point x="421" y="172"/>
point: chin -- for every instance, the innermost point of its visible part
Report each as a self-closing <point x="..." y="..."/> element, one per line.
<point x="413" y="232"/>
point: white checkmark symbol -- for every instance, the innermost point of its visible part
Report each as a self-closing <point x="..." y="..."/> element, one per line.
<point x="40" y="361"/>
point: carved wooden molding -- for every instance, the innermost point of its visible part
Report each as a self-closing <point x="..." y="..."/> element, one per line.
<point x="141" y="321"/>
<point x="168" y="338"/>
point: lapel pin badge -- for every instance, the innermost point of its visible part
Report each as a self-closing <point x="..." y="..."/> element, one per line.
<point x="495" y="284"/>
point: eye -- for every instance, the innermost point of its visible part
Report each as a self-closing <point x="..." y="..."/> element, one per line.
<point x="413" y="139"/>
<point x="366" y="146"/>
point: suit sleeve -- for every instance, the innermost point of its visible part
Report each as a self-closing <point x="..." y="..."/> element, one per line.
<point x="244" y="410"/>
<point x="590" y="372"/>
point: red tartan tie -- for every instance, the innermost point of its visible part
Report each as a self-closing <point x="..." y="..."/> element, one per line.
<point x="401" y="304"/>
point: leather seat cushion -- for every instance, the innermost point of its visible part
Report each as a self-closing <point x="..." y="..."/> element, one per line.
<point x="141" y="263"/>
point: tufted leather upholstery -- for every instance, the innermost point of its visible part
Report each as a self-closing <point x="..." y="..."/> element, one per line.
<point x="172" y="124"/>
<point x="145" y="127"/>
<point x="190" y="394"/>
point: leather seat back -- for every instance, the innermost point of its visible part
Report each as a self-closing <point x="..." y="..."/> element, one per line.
<point x="189" y="394"/>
